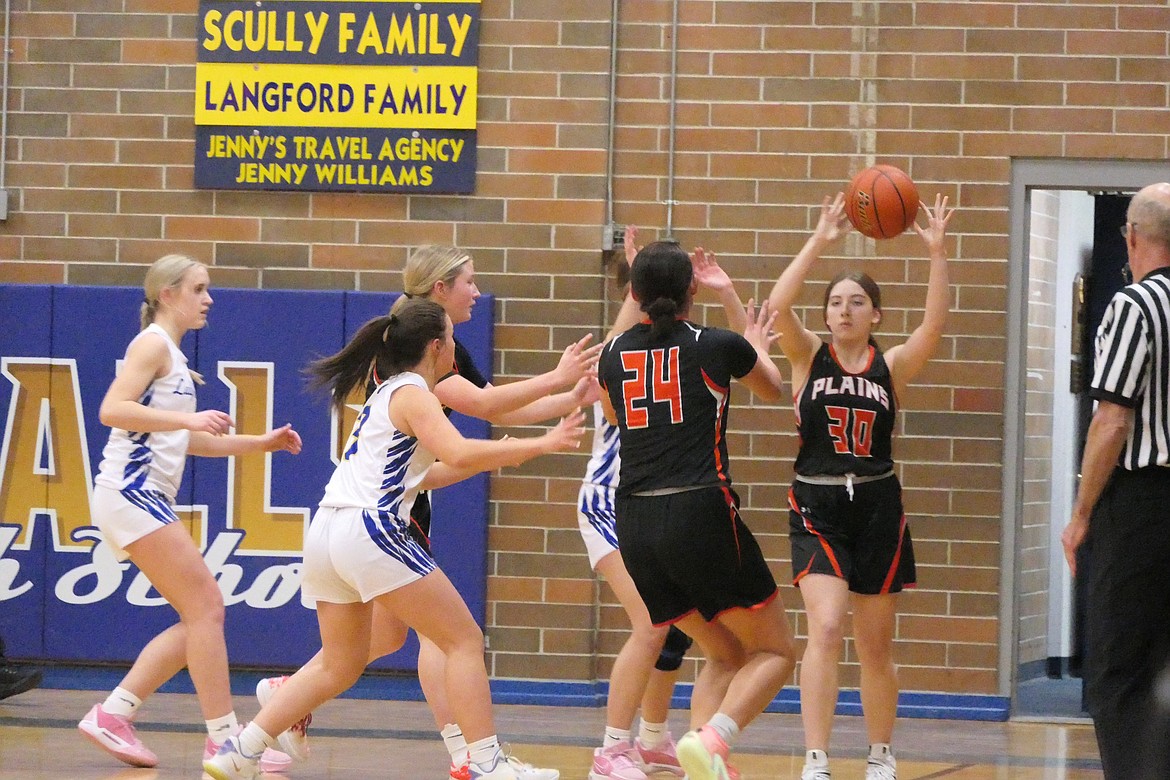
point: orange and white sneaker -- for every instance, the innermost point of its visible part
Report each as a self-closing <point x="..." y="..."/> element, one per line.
<point x="295" y="740"/>
<point x="703" y="754"/>
<point x="115" y="735"/>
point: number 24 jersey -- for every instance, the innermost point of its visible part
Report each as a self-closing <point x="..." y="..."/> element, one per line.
<point x="671" y="397"/>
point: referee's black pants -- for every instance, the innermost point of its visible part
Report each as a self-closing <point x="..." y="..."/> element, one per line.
<point x="1128" y="619"/>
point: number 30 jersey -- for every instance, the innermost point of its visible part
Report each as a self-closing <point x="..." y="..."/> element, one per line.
<point x="671" y="396"/>
<point x="845" y="421"/>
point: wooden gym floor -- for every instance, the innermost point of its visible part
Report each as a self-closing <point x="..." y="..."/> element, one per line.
<point x="353" y="739"/>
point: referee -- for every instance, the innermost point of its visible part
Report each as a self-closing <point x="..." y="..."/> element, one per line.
<point x="1123" y="506"/>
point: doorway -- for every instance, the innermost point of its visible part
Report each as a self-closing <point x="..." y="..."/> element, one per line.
<point x="1066" y="257"/>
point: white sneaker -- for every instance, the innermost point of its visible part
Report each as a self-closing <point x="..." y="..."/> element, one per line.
<point x="230" y="763"/>
<point x="881" y="768"/>
<point x="811" y="772"/>
<point x="295" y="740"/>
<point x="526" y="771"/>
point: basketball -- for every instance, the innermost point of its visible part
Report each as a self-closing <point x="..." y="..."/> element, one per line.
<point x="881" y="201"/>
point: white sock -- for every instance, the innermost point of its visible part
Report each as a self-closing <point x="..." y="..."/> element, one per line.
<point x="615" y="735"/>
<point x="651" y="735"/>
<point x="121" y="702"/>
<point x="456" y="745"/>
<point x="880" y="750"/>
<point x="724" y="726"/>
<point x="816" y="758"/>
<point x="220" y="729"/>
<point x="254" y="740"/>
<point x="483" y="752"/>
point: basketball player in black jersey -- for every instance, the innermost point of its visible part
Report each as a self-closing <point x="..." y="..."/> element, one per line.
<point x="695" y="563"/>
<point x="850" y="542"/>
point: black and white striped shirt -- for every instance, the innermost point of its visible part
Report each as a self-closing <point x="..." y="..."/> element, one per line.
<point x="1133" y="366"/>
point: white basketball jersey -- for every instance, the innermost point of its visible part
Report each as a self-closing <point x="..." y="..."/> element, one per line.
<point x="152" y="461"/>
<point x="381" y="467"/>
<point x="604" y="462"/>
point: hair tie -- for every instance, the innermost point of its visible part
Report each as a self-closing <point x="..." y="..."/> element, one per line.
<point x="408" y="295"/>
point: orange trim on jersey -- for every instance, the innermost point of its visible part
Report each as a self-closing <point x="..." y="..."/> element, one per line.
<point x="897" y="557"/>
<point x="824" y="544"/>
<point x="760" y="605"/>
<point x="672" y="621"/>
<point x="731" y="515"/>
<point x="725" y="392"/>
<point x="868" y="363"/>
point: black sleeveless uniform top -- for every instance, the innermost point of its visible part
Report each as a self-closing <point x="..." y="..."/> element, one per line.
<point x="846" y="421"/>
<point x="671" y="397"/>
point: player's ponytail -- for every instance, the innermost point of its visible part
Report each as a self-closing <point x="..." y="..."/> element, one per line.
<point x="661" y="281"/>
<point x="392" y="343"/>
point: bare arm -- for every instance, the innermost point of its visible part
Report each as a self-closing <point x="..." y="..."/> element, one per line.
<point x="418" y="413"/>
<point x="798" y="343"/>
<point x="209" y="445"/>
<point x="630" y="314"/>
<point x="1106" y="439"/>
<point x="491" y="403"/>
<point x="710" y="276"/>
<point x="147" y="359"/>
<point x="908" y="359"/>
<point x="764" y="379"/>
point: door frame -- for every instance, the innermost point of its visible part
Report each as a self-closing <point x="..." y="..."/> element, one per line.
<point x="1036" y="174"/>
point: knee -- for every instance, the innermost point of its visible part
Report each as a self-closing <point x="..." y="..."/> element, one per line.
<point x="673" y="649"/>
<point x="827" y="634"/>
<point x="207" y="610"/>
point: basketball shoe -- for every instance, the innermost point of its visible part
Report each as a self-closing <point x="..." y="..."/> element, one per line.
<point x="523" y="770"/>
<point x="703" y="754"/>
<point x="270" y="760"/>
<point x="294" y="740"/>
<point x="231" y="763"/>
<point x="811" y="772"/>
<point x="881" y="767"/>
<point x="661" y="758"/>
<point x="115" y="735"/>
<point x="500" y="769"/>
<point x="616" y="762"/>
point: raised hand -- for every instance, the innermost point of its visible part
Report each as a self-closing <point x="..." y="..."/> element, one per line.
<point x="759" y="331"/>
<point x="210" y="421"/>
<point x="567" y="434"/>
<point x="707" y="272"/>
<point x="833" y="223"/>
<point x="587" y="391"/>
<point x="935" y="232"/>
<point x="630" y="242"/>
<point x="577" y="360"/>
<point x="282" y="438"/>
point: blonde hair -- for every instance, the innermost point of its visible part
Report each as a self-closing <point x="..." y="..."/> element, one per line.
<point x="165" y="273"/>
<point x="427" y="266"/>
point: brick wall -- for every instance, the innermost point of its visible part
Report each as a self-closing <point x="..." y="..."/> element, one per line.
<point x="779" y="102"/>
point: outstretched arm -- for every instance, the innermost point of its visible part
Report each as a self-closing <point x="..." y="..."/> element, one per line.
<point x="797" y="342"/>
<point x="710" y="276"/>
<point x="906" y="360"/>
<point x="418" y="413"/>
<point x="494" y="402"/>
<point x="631" y="312"/>
<point x="764" y="378"/>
